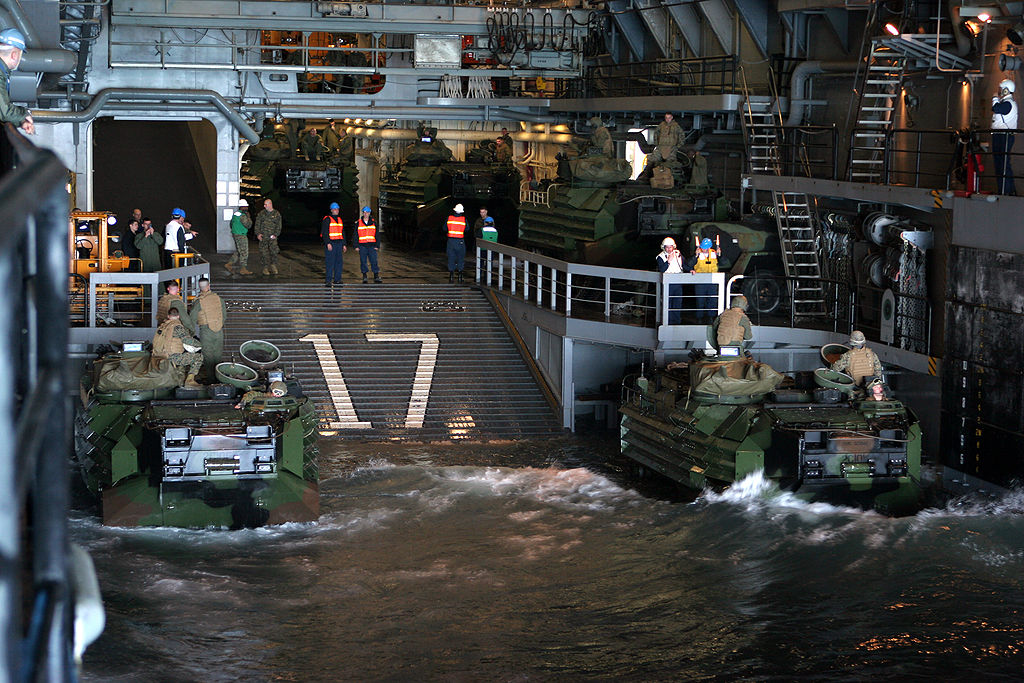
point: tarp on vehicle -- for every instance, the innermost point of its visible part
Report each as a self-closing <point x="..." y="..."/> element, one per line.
<point x="121" y="371"/>
<point x="734" y="377"/>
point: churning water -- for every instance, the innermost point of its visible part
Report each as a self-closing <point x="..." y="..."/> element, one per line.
<point x="535" y="567"/>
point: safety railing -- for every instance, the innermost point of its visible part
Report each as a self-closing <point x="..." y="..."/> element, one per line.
<point x="35" y="416"/>
<point x="651" y="299"/>
<point x="663" y="77"/>
<point x="948" y="159"/>
<point x="126" y="301"/>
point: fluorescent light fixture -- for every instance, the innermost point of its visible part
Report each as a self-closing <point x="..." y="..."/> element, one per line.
<point x="891" y="29"/>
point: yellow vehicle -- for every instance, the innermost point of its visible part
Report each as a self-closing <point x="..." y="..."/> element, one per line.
<point x="95" y="247"/>
<point x="95" y="244"/>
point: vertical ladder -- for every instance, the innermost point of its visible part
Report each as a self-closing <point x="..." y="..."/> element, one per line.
<point x="879" y="87"/>
<point x="795" y="212"/>
<point x="795" y="218"/>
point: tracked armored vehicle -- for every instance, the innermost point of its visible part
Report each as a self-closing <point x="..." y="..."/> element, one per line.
<point x="416" y="197"/>
<point x="156" y="454"/>
<point x="713" y="421"/>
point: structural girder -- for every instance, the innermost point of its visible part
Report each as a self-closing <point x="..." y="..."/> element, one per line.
<point x="719" y="18"/>
<point x="630" y="27"/>
<point x="688" y="23"/>
<point x="285" y="15"/>
<point x="755" y="15"/>
<point x="655" y="18"/>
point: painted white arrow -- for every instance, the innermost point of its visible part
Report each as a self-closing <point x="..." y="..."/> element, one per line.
<point x="347" y="418"/>
<point x="424" y="372"/>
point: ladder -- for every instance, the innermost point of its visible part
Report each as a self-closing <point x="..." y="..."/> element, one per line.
<point x="795" y="212"/>
<point x="798" y="239"/>
<point x="879" y="87"/>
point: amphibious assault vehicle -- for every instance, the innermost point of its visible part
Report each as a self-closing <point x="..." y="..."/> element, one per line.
<point x="157" y="454"/>
<point x="713" y="421"/>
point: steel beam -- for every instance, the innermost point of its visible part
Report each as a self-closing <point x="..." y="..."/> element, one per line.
<point x="688" y="23"/>
<point x="679" y="103"/>
<point x="630" y="27"/>
<point x="719" y="18"/>
<point x="655" y="18"/>
<point x="754" y="14"/>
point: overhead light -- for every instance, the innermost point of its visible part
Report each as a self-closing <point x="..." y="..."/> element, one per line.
<point x="973" y="26"/>
<point x="976" y="11"/>
<point x="891" y="29"/>
<point x="984" y="17"/>
<point x="1016" y="33"/>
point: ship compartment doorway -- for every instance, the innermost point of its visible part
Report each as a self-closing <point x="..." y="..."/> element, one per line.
<point x="157" y="166"/>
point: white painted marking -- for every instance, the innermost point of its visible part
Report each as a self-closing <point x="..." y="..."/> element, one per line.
<point x="424" y="372"/>
<point x="335" y="384"/>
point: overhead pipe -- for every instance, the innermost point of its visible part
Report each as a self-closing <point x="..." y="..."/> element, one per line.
<point x="149" y="94"/>
<point x="963" y="41"/>
<point x="19" y="19"/>
<point x="798" y="82"/>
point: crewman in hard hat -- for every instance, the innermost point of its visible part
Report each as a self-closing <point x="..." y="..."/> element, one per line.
<point x="706" y="261"/>
<point x="332" y="233"/>
<point x="241" y="223"/>
<point x="860" y="361"/>
<point x="1004" y="122"/>
<point x="173" y="342"/>
<point x="456" y="227"/>
<point x="208" y="315"/>
<point x="732" y="326"/>
<point x="176" y="236"/>
<point x="12" y="46"/>
<point x="369" y="244"/>
<point x="669" y="260"/>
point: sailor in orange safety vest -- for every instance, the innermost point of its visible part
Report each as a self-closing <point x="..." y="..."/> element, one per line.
<point x="332" y="232"/>
<point x="366" y="229"/>
<point x="456" y="227"/>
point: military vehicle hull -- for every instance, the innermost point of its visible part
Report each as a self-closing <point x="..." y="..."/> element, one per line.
<point x="611" y="225"/>
<point x="849" y="452"/>
<point x="415" y="201"/>
<point x="197" y="461"/>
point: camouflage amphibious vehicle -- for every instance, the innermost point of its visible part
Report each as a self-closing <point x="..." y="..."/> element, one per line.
<point x="160" y="455"/>
<point x="712" y="422"/>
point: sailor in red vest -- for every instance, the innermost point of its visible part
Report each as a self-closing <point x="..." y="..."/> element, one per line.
<point x="456" y="243"/>
<point x="332" y="232"/>
<point x="366" y="228"/>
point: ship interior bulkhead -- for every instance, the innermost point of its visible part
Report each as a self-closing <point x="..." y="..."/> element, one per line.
<point x="843" y="152"/>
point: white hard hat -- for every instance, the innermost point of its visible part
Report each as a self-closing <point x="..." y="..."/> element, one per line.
<point x="242" y="202"/>
<point x="459" y="208"/>
<point x="668" y="240"/>
<point x="1008" y="84"/>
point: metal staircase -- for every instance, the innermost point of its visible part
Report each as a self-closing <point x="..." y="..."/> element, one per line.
<point x="795" y="212"/>
<point x="395" y="362"/>
<point x="880" y="85"/>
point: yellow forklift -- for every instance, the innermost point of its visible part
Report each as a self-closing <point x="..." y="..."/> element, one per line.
<point x="95" y="247"/>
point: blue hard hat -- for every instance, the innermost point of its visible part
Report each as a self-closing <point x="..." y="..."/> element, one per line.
<point x="488" y="221"/>
<point x="178" y="212"/>
<point x="333" y="206"/>
<point x="706" y="243"/>
<point x="12" y="37"/>
<point x="366" y="209"/>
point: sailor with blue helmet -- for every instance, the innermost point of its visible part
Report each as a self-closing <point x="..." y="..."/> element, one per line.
<point x="332" y="232"/>
<point x="706" y="261"/>
<point x="12" y="46"/>
<point x="369" y="243"/>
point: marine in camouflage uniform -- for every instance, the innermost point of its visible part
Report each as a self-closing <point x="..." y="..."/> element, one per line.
<point x="670" y="138"/>
<point x="311" y="145"/>
<point x="268" y="229"/>
<point x="150" y="244"/>
<point x="240" y="226"/>
<point x="601" y="138"/>
<point x="277" y="390"/>
<point x="172" y="299"/>
<point x="169" y="342"/>
<point x="860" y="361"/>
<point x="732" y="327"/>
<point x="208" y="315"/>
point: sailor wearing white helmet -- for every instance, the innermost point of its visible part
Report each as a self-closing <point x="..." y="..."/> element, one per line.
<point x="456" y="227"/>
<point x="1004" y="123"/>
<point x="670" y="260"/>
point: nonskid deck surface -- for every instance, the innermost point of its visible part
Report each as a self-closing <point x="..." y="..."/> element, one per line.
<point x="419" y="362"/>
